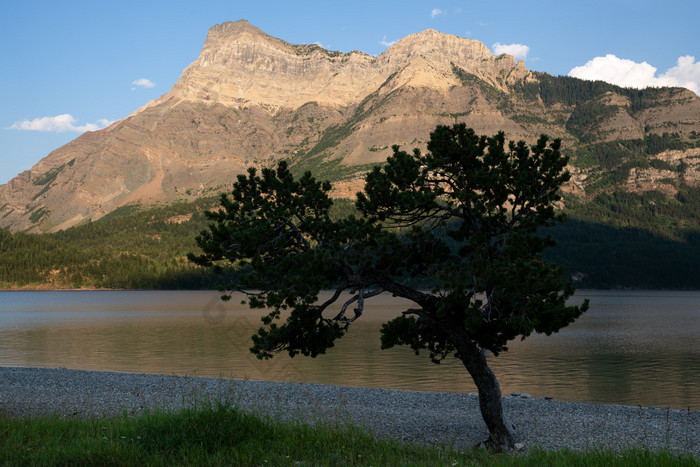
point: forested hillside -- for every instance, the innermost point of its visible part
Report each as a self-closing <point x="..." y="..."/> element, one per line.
<point x="617" y="240"/>
<point x="129" y="249"/>
<point x="631" y="240"/>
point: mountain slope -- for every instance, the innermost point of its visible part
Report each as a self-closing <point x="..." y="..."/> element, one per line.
<point x="251" y="99"/>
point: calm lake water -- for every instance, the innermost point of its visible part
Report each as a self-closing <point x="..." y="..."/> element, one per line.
<point x="632" y="348"/>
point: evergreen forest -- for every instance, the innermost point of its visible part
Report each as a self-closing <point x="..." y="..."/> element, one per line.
<point x="615" y="240"/>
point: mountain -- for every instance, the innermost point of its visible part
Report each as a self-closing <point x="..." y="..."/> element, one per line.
<point x="251" y="99"/>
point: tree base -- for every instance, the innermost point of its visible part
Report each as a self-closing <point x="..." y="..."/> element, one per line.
<point x="494" y="446"/>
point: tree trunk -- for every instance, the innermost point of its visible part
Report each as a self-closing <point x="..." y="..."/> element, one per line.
<point x="502" y="434"/>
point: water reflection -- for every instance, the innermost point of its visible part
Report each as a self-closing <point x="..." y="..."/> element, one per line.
<point x="630" y="348"/>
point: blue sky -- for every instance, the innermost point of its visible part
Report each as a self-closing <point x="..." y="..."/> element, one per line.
<point x="70" y="66"/>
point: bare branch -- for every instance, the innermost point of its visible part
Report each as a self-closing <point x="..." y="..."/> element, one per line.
<point x="331" y="300"/>
<point x="360" y="298"/>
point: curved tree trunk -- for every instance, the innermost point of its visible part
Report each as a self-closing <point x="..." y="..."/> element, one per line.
<point x="502" y="434"/>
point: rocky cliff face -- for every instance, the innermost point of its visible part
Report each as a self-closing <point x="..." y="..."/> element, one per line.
<point x="241" y="65"/>
<point x="251" y="99"/>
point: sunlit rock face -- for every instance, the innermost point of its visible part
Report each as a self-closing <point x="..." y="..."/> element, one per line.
<point x="250" y="100"/>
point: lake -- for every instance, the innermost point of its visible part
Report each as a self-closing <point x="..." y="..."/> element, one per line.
<point x="632" y="348"/>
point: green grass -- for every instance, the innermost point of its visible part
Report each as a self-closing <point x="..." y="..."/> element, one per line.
<point x="221" y="434"/>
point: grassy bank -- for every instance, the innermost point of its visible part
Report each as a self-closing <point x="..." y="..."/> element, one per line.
<point x="224" y="435"/>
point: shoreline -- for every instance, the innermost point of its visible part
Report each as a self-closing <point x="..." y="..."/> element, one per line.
<point x="422" y="417"/>
<point x="90" y="288"/>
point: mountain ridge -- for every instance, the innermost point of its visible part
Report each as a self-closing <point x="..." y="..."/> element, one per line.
<point x="250" y="100"/>
<point x="275" y="74"/>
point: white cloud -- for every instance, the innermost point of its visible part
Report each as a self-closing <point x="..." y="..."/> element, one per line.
<point x="621" y="72"/>
<point x="628" y="73"/>
<point x="436" y="12"/>
<point x="519" y="51"/>
<point x="386" y="43"/>
<point x="687" y="73"/>
<point x="143" y="83"/>
<point x="59" y="124"/>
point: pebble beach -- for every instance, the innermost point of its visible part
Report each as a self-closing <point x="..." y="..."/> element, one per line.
<point x="418" y="417"/>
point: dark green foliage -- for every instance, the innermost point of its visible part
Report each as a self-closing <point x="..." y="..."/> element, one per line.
<point x="46" y="179"/>
<point x="659" y="164"/>
<point x="465" y="216"/>
<point x="38" y="214"/>
<point x="469" y="191"/>
<point x="589" y="111"/>
<point x="279" y="233"/>
<point x="584" y="105"/>
<point x="661" y="228"/>
<point x="42" y="191"/>
<point x="562" y="89"/>
<point x="631" y="240"/>
<point x="613" y="155"/>
<point x="586" y="119"/>
<point x="570" y="91"/>
<point x="333" y="135"/>
<point x="333" y="168"/>
<point x="50" y="175"/>
<point x="651" y="211"/>
<point x="127" y="249"/>
<point x="489" y="201"/>
<point x="464" y="76"/>
<point x="469" y="79"/>
<point x="656" y="144"/>
<point x="601" y="256"/>
<point x="123" y="211"/>
<point x="310" y="49"/>
<point x="616" y="158"/>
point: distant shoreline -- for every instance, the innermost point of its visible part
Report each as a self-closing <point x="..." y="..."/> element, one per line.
<point x="422" y="417"/>
<point x="48" y="288"/>
<point x="95" y="289"/>
<point x="54" y="289"/>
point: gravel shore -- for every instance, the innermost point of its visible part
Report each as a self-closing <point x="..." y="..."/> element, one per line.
<point x="428" y="418"/>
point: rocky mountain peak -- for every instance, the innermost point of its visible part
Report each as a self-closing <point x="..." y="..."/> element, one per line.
<point x="232" y="28"/>
<point x="445" y="52"/>
<point x="240" y="65"/>
<point x="227" y="35"/>
<point x="432" y="41"/>
<point x="251" y="99"/>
